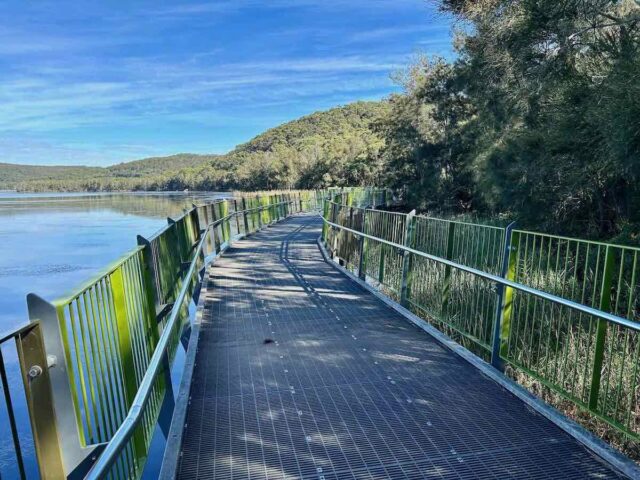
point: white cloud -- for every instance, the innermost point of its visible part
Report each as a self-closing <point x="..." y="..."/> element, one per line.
<point x="147" y="89"/>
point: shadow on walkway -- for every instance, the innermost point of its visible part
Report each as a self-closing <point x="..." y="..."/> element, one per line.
<point x="348" y="388"/>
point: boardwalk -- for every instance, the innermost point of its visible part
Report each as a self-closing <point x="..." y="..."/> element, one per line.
<point x="300" y="373"/>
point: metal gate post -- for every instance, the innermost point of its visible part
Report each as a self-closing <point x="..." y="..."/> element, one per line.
<point x="601" y="331"/>
<point x="409" y="237"/>
<point x="502" y="321"/>
<point x="54" y="415"/>
<point x="37" y="386"/>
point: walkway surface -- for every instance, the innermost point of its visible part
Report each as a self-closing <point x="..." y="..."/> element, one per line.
<point x="301" y="373"/>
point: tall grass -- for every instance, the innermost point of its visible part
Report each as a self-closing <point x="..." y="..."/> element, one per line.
<point x="547" y="347"/>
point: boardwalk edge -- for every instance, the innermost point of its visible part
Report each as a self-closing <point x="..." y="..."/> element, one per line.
<point x="173" y="448"/>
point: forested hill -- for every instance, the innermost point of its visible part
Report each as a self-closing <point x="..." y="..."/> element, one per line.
<point x="12" y="175"/>
<point x="337" y="146"/>
<point x="158" y="165"/>
<point x="81" y="178"/>
<point x="350" y="121"/>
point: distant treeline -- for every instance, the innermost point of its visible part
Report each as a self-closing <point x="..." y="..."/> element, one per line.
<point x="537" y="119"/>
<point x="123" y="176"/>
<point x="336" y="147"/>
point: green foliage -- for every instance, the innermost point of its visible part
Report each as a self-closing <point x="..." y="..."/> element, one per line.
<point x="159" y="165"/>
<point x="536" y="119"/>
<point x="425" y="139"/>
<point x="333" y="148"/>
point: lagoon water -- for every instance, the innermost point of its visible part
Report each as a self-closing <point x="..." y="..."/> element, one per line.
<point x="49" y="244"/>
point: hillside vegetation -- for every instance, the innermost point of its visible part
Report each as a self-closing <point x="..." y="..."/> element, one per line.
<point x="335" y="147"/>
<point x="137" y="175"/>
<point x="11" y="175"/>
<point x="158" y="165"/>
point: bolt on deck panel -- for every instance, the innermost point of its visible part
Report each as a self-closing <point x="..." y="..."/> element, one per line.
<point x="347" y="389"/>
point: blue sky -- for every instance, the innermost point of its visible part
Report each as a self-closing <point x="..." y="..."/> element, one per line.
<point x="106" y="81"/>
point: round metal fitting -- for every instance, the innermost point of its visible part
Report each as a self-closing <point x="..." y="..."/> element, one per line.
<point x="35" y="371"/>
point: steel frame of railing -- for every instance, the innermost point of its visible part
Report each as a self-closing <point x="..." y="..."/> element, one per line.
<point x="499" y="280"/>
<point x="503" y="286"/>
<point x="18" y="336"/>
<point x="117" y="443"/>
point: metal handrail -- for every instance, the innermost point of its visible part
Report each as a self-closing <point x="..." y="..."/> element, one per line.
<point x="8" y="335"/>
<point x="4" y="382"/>
<point x="156" y="363"/>
<point x="501" y="281"/>
<point x="126" y="430"/>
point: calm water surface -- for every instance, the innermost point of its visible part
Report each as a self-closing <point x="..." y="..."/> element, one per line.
<point x="49" y="244"/>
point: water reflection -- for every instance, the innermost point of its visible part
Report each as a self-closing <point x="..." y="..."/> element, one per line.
<point x="51" y="242"/>
<point x="145" y="204"/>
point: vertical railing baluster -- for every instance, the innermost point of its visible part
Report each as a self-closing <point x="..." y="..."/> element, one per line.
<point x="226" y="223"/>
<point x="362" y="263"/>
<point x="9" y="404"/>
<point x="260" y="211"/>
<point x="382" y="250"/>
<point x="235" y="210"/>
<point x="325" y="227"/>
<point x="245" y="217"/>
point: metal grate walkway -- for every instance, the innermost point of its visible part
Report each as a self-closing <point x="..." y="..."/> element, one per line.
<point x="348" y="388"/>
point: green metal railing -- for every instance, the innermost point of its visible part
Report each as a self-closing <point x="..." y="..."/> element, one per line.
<point x="563" y="311"/>
<point x="96" y="363"/>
